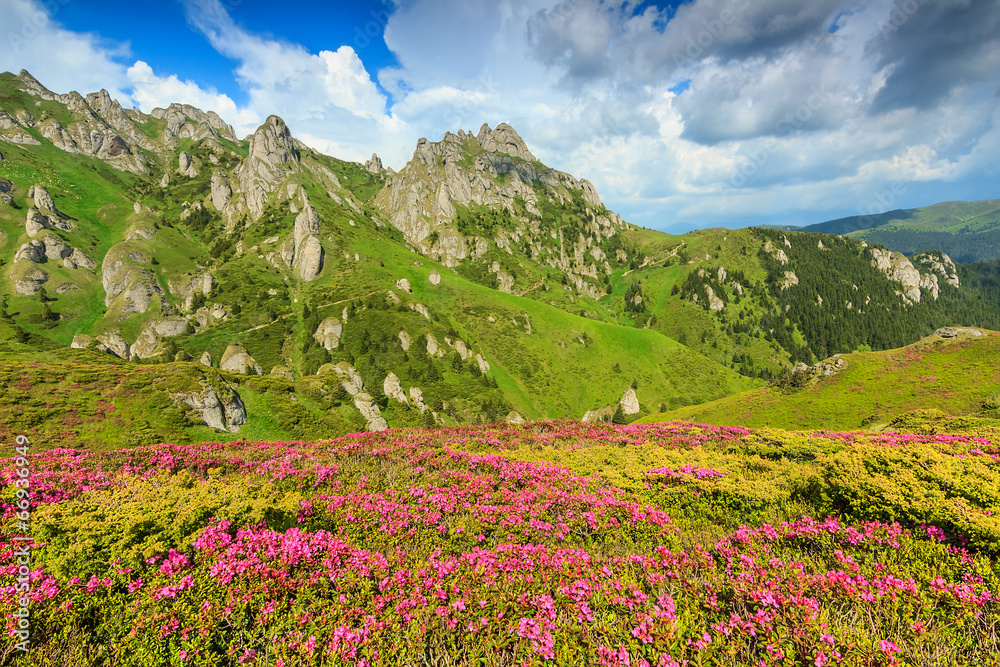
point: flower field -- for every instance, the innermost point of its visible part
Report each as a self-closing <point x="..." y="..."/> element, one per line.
<point x="534" y="544"/>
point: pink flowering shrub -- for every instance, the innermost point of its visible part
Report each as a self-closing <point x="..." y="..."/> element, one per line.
<point x="414" y="547"/>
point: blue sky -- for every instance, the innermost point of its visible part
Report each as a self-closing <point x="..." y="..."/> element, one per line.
<point x="684" y="115"/>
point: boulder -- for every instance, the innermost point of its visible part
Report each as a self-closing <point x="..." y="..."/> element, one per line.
<point x="352" y="381"/>
<point x="329" y="333"/>
<point x="42" y="199"/>
<point x="418" y="399"/>
<point x="237" y="360"/>
<point x="221" y="190"/>
<point x="55" y="247"/>
<point x="113" y="343"/>
<point x="404" y="340"/>
<point x="35" y="222"/>
<point x="484" y="366"/>
<point x="514" y="418"/>
<point x="206" y="359"/>
<point x="393" y="389"/>
<point x="82" y="260"/>
<point x="223" y="411"/>
<point x="434" y="277"/>
<point x="629" y="402"/>
<point x="146" y="345"/>
<point x="283" y="372"/>
<point x="310" y="258"/>
<point x="369" y="410"/>
<point x="952" y="332"/>
<point x="185" y="164"/>
<point x="432" y="345"/>
<point x="81" y="341"/>
<point x="462" y="350"/>
<point x="404" y="285"/>
<point x="30" y="282"/>
<point x="32" y="251"/>
<point x="171" y="326"/>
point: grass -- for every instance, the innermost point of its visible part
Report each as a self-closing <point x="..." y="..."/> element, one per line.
<point x="952" y="376"/>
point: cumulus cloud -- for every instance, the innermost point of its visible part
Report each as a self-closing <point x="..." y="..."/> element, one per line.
<point x="61" y="59"/>
<point x="150" y="91"/>
<point x="710" y="112"/>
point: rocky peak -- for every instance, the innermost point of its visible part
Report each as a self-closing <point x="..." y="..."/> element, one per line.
<point x="187" y="122"/>
<point x="374" y="165"/>
<point x="504" y="139"/>
<point x="272" y="143"/>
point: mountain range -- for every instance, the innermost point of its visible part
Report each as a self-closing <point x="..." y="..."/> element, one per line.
<point x="214" y="286"/>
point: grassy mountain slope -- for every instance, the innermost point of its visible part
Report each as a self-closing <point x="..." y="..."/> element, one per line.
<point x="967" y="231"/>
<point x="956" y="376"/>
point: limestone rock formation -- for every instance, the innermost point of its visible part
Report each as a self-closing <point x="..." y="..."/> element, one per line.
<point x="629" y="402"/>
<point x="236" y="359"/>
<point x="81" y="341"/>
<point x="329" y="333"/>
<point x="404" y="285"/>
<point x="352" y="381"/>
<point x="418" y="399"/>
<point x="185" y="165"/>
<point x="435" y="277"/>
<point x="28" y="283"/>
<point x="221" y="190"/>
<point x="952" y="332"/>
<point x="369" y="410"/>
<point x="484" y="366"/>
<point x="223" y="411"/>
<point x="206" y="359"/>
<point x="113" y="343"/>
<point x="404" y="340"/>
<point x="374" y="165"/>
<point x="272" y="157"/>
<point x="393" y="389"/>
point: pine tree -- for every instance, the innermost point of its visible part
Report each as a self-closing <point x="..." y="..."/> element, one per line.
<point x="619" y="418"/>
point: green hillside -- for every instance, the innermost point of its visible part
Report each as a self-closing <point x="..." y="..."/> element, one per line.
<point x="967" y="231"/>
<point x="954" y="376"/>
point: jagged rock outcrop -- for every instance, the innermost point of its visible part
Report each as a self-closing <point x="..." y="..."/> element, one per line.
<point x="404" y="285"/>
<point x="187" y="122"/>
<point x="113" y="343"/>
<point x="6" y="190"/>
<point x="393" y="389"/>
<point x="369" y="410"/>
<point x="283" y="372"/>
<point x="897" y="267"/>
<point x="146" y="345"/>
<point x="309" y="259"/>
<point x="514" y="417"/>
<point x="352" y="381"/>
<point x="220" y="407"/>
<point x="99" y="128"/>
<point x="220" y="190"/>
<point x="126" y="281"/>
<point x="185" y="165"/>
<point x="790" y="280"/>
<point x="374" y="165"/>
<point x="272" y="157"/>
<point x="494" y="169"/>
<point x="236" y="359"/>
<point x="629" y="402"/>
<point x="952" y="332"/>
<point x="198" y="284"/>
<point x="329" y="333"/>
<point x="418" y="399"/>
<point x="432" y="345"/>
<point x="206" y="359"/>
<point x="29" y="282"/>
<point x="404" y="340"/>
<point x="778" y="253"/>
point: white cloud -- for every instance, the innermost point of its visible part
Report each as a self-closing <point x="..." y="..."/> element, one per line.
<point x="62" y="60"/>
<point x="150" y="91"/>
